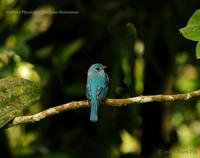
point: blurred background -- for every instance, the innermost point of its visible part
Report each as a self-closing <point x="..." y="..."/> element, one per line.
<point x="53" y="43"/>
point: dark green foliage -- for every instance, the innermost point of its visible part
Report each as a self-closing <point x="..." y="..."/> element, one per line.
<point x="139" y="41"/>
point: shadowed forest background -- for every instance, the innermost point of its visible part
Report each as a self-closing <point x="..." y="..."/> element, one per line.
<point x="145" y="53"/>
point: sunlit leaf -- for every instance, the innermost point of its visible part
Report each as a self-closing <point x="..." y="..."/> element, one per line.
<point x="129" y="144"/>
<point x="187" y="78"/>
<point x="41" y="19"/>
<point x="26" y="70"/>
<point x="192" y="30"/>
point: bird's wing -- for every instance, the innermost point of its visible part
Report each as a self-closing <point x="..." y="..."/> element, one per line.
<point x="102" y="90"/>
<point x="88" y="92"/>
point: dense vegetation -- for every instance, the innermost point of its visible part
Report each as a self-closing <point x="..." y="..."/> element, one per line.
<point x="54" y="42"/>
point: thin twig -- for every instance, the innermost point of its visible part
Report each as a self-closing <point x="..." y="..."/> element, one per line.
<point x="111" y="102"/>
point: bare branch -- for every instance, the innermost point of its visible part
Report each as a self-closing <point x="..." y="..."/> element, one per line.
<point x="111" y="102"/>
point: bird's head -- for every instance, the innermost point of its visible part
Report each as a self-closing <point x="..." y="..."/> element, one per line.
<point x="96" y="68"/>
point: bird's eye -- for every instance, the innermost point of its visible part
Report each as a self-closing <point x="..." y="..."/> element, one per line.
<point x="98" y="69"/>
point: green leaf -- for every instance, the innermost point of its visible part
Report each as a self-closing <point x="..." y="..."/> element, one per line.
<point x="70" y="50"/>
<point x="198" y="50"/>
<point x="132" y="30"/>
<point x="22" y="49"/>
<point x="61" y="60"/>
<point x="192" y="30"/>
<point x="43" y="52"/>
<point x="16" y="95"/>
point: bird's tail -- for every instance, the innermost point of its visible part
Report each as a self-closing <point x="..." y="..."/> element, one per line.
<point x="93" y="112"/>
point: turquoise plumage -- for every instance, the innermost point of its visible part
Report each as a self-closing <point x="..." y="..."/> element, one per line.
<point x="96" y="89"/>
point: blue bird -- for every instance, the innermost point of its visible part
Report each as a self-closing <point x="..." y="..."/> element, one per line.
<point x="96" y="89"/>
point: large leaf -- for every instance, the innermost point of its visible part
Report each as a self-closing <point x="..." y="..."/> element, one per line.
<point x="192" y="30"/>
<point x="16" y="95"/>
